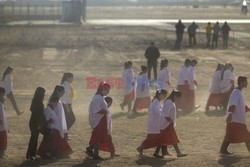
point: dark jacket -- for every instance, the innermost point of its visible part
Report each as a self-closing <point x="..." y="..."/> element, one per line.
<point x="152" y="53"/>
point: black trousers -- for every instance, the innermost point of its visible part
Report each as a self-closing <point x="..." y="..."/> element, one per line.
<point x="152" y="64"/>
<point x="33" y="142"/>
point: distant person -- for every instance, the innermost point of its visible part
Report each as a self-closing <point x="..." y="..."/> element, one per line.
<point x="179" y="34"/>
<point x="98" y="110"/>
<point x="168" y="136"/>
<point x="209" y="29"/>
<point x="192" y="32"/>
<point x="53" y="145"/>
<point x="142" y="100"/>
<point x="3" y="125"/>
<point x="244" y="8"/>
<point x="215" y="98"/>
<point x="236" y="131"/>
<point x="216" y="34"/>
<point x="108" y="145"/>
<point x="183" y="86"/>
<point x="129" y="86"/>
<point x="67" y="99"/>
<point x="225" y="33"/>
<point x="152" y="53"/>
<point x="154" y="120"/>
<point x="164" y="76"/>
<point x="227" y="83"/>
<point x="7" y="84"/>
<point x="37" y="120"/>
<point x="192" y="83"/>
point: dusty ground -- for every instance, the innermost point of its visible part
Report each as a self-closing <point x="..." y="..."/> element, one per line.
<point x="40" y="55"/>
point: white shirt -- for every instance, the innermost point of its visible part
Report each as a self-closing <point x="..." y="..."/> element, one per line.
<point x="191" y="78"/>
<point x="7" y="84"/>
<point x="66" y="98"/>
<point x="183" y="75"/>
<point x="169" y="110"/>
<point x="60" y="113"/>
<point x="50" y="114"/>
<point x="97" y="104"/>
<point x="215" y="84"/>
<point x="128" y="78"/>
<point x="154" y="117"/>
<point x="142" y="81"/>
<point x="225" y="83"/>
<point x="239" y="114"/>
<point x="163" y="78"/>
<point x="3" y="119"/>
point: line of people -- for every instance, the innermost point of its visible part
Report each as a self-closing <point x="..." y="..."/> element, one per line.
<point x="52" y="121"/>
<point x="212" y="32"/>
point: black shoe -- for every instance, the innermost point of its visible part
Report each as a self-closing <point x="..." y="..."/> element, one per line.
<point x="158" y="156"/>
<point x="89" y="152"/>
<point x="181" y="155"/>
<point x="226" y="152"/>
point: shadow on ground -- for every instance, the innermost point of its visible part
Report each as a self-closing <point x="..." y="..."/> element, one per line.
<point x="152" y="161"/>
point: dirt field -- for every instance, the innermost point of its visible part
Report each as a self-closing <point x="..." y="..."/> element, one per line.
<point x="41" y="54"/>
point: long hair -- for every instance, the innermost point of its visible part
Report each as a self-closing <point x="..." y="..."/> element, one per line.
<point x="7" y="71"/>
<point x="226" y="66"/>
<point x="158" y="93"/>
<point x="174" y="93"/>
<point x="37" y="100"/>
<point x="164" y="62"/>
<point x="64" y="78"/>
<point x="219" y="67"/>
<point x="58" y="88"/>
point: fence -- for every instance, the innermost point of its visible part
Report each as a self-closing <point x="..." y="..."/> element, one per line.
<point x="38" y="10"/>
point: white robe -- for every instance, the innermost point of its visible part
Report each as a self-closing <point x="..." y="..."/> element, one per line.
<point x="66" y="98"/>
<point x="3" y="118"/>
<point x="7" y="84"/>
<point x="215" y="84"/>
<point x="191" y="78"/>
<point x="109" y="122"/>
<point x="163" y="78"/>
<point x="60" y="113"/>
<point x="239" y="114"/>
<point x="142" y="81"/>
<point x="154" y="117"/>
<point x="97" y="104"/>
<point x="128" y="78"/>
<point x="183" y="75"/>
<point x="225" y="83"/>
<point x="169" y="110"/>
<point x="50" y="114"/>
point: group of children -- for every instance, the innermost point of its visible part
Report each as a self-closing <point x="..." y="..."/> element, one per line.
<point x="50" y="120"/>
<point x="222" y="85"/>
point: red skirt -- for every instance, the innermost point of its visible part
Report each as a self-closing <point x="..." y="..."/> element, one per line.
<point x="128" y="98"/>
<point x="236" y="133"/>
<point x="183" y="102"/>
<point x="151" y="141"/>
<point x="214" y="100"/>
<point x="191" y="98"/>
<point x="168" y="136"/>
<point x="141" y="103"/>
<point x="54" y="145"/>
<point x="100" y="132"/>
<point x="3" y="140"/>
<point x="107" y="145"/>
